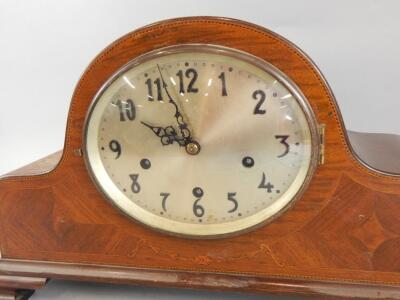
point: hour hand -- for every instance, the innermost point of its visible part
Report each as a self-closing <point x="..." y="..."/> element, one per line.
<point x="167" y="135"/>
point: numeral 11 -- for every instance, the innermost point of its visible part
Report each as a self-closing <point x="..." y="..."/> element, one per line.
<point x="157" y="82"/>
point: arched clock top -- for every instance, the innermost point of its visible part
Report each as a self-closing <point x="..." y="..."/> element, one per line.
<point x="230" y="33"/>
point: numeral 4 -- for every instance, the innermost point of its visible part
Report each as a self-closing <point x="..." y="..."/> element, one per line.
<point x="265" y="185"/>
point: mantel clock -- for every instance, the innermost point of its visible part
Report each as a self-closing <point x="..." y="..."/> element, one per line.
<point x="210" y="153"/>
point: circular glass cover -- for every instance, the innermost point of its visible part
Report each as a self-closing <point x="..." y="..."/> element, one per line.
<point x="200" y="141"/>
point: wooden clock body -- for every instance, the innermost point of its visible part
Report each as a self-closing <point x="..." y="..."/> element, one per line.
<point x="341" y="238"/>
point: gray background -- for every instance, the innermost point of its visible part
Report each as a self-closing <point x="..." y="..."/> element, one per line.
<point x="46" y="45"/>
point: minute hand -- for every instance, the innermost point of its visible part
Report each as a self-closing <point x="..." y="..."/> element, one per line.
<point x="183" y="127"/>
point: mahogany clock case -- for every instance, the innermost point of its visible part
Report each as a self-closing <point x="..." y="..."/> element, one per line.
<point x="341" y="238"/>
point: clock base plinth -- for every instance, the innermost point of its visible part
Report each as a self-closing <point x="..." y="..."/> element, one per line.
<point x="23" y="287"/>
<point x="19" y="287"/>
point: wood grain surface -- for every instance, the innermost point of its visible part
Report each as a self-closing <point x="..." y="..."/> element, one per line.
<point x="343" y="232"/>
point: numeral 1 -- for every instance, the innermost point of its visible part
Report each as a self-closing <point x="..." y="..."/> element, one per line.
<point x="222" y="77"/>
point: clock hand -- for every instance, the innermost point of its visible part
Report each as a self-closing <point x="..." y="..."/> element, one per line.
<point x="183" y="127"/>
<point x="167" y="135"/>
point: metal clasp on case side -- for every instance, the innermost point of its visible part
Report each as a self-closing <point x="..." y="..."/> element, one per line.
<point x="78" y="152"/>
<point x="321" y="135"/>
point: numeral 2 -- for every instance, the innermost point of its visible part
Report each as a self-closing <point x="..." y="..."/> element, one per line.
<point x="260" y="96"/>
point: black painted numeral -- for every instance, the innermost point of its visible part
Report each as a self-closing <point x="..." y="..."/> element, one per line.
<point x="115" y="147"/>
<point x="283" y="141"/>
<point x="164" y="200"/>
<point x="149" y="90"/>
<point x="127" y="110"/>
<point x="181" y="87"/>
<point x="260" y="96"/>
<point x="135" y="187"/>
<point x="149" y="84"/>
<point x="231" y="197"/>
<point x="223" y="90"/>
<point x="265" y="185"/>
<point x="190" y="74"/>
<point x="198" y="210"/>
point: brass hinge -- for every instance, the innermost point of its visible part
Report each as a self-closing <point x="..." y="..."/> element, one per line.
<point x="321" y="135"/>
<point x="78" y="152"/>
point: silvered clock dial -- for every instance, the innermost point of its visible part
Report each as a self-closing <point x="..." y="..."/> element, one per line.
<point x="200" y="140"/>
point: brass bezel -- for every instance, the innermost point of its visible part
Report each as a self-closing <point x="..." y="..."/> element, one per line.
<point x="213" y="230"/>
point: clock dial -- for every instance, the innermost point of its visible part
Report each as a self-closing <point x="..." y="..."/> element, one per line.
<point x="200" y="140"/>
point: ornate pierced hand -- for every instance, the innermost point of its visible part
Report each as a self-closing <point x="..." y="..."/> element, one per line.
<point x="183" y="126"/>
<point x="167" y="134"/>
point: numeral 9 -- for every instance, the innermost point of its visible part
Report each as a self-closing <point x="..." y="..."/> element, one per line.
<point x="115" y="147"/>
